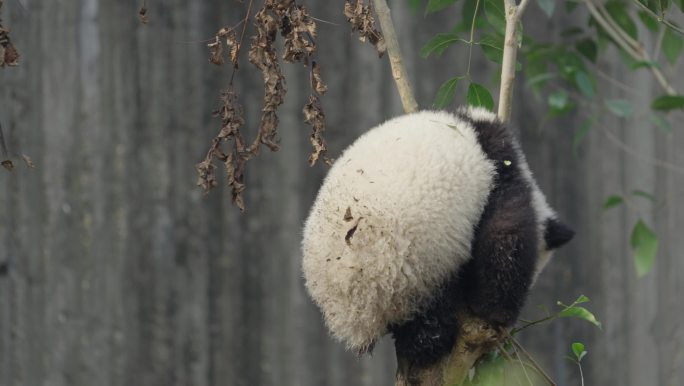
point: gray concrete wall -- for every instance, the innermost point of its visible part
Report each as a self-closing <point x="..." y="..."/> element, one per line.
<point x="123" y="273"/>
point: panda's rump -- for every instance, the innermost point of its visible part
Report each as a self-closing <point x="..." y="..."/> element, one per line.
<point x="393" y="218"/>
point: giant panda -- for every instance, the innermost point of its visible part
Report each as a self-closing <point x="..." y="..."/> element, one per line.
<point x="423" y="214"/>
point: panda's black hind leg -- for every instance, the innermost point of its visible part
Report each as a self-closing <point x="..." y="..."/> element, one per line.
<point x="432" y="334"/>
<point x="504" y="253"/>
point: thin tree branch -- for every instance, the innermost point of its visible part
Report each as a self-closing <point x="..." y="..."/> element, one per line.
<point x="616" y="27"/>
<point x="472" y="37"/>
<point x="532" y="323"/>
<point x="518" y="346"/>
<point x="522" y="364"/>
<point x="242" y="38"/>
<point x="398" y="69"/>
<point x="608" y="28"/>
<point x="510" y="52"/>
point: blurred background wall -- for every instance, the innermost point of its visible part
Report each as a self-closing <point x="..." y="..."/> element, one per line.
<point x="122" y="273"/>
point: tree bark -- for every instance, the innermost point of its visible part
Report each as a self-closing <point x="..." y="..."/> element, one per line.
<point x="475" y="339"/>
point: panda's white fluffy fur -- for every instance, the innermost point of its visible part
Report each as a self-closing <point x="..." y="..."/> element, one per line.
<point x="385" y="229"/>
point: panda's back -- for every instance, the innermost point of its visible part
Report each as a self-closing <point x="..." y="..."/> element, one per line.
<point x="400" y="204"/>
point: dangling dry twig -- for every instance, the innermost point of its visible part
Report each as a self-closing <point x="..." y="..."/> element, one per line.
<point x="298" y="30"/>
<point x="142" y="13"/>
<point x="262" y="54"/>
<point x="360" y="16"/>
<point x="232" y="120"/>
<point x="9" y="56"/>
<point x="316" y="79"/>
<point x="314" y="116"/>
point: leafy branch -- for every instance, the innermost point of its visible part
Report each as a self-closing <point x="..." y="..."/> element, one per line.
<point x="574" y="310"/>
<point x="630" y="46"/>
<point x="490" y="369"/>
<point x="659" y="19"/>
<point x="580" y="353"/>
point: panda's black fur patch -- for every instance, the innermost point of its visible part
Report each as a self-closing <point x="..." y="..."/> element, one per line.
<point x="494" y="283"/>
<point x="430" y="335"/>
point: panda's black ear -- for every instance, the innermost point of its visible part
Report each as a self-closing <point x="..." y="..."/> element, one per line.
<point x="557" y="234"/>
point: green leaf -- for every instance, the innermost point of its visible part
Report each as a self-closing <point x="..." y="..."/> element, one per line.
<point x="612" y="201"/>
<point x="569" y="63"/>
<point x="490" y="370"/>
<point x="492" y="47"/>
<point x="668" y="102"/>
<point x="414" y="5"/>
<point x="519" y="36"/>
<point x="661" y="123"/>
<point x="588" y="48"/>
<point x="584" y="84"/>
<point x="558" y="101"/>
<point x="446" y="93"/>
<point x="620" y="13"/>
<point x="620" y="107"/>
<point x="651" y="4"/>
<point x="571" y="6"/>
<point x="494" y="10"/>
<point x="478" y="95"/>
<point x="579" y="313"/>
<point x="672" y="45"/>
<point x="578" y="350"/>
<point x="547" y="6"/>
<point x="581" y="299"/>
<point x="537" y="65"/>
<point x="648" y="21"/>
<point x="646" y="195"/>
<point x="645" y="246"/>
<point x="540" y="79"/>
<point x="438" y="44"/>
<point x="437" y="5"/>
<point x="581" y="132"/>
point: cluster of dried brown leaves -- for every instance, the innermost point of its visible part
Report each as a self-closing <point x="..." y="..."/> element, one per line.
<point x="9" y="56"/>
<point x="234" y="162"/>
<point x="360" y="16"/>
<point x="299" y="31"/>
